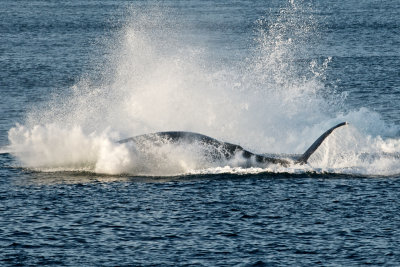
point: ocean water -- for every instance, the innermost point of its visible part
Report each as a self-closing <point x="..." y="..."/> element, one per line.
<point x="272" y="76"/>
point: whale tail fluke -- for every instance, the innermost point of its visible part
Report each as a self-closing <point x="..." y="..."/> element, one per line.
<point x="304" y="158"/>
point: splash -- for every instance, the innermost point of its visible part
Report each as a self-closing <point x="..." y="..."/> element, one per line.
<point x="157" y="79"/>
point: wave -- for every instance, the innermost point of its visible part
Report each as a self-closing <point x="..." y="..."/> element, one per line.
<point x="158" y="79"/>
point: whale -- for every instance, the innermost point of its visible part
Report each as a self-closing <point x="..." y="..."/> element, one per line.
<point x="219" y="150"/>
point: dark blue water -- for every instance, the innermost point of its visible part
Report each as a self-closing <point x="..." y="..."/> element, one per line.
<point x="220" y="220"/>
<point x="58" y="208"/>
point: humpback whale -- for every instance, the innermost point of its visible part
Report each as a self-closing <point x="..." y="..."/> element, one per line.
<point x="219" y="150"/>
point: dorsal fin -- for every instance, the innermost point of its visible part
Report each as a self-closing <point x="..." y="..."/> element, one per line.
<point x="303" y="159"/>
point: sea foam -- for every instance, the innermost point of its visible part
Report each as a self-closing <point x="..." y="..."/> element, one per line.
<point x="156" y="79"/>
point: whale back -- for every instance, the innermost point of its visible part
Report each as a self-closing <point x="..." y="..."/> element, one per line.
<point x="223" y="149"/>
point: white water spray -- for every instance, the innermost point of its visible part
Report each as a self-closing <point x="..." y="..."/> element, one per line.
<point x="157" y="80"/>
